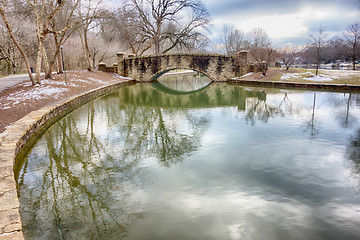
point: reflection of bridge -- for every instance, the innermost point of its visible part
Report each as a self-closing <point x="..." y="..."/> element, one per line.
<point x="218" y="68"/>
<point x="181" y="83"/>
<point x="215" y="95"/>
<point x="161" y="87"/>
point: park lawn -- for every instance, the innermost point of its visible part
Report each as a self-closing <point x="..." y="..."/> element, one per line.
<point x="308" y="76"/>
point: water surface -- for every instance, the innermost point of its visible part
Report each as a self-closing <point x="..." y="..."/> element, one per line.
<point x="226" y="162"/>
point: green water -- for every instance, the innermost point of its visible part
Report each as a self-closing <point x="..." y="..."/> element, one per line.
<point x="226" y="162"/>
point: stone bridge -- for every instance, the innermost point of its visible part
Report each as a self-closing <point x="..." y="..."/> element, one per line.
<point x="218" y="68"/>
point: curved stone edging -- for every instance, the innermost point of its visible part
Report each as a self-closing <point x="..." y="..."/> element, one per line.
<point x="24" y="129"/>
<point x="17" y="137"/>
<point x="320" y="86"/>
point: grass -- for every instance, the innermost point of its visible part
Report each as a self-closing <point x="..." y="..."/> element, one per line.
<point x="297" y="75"/>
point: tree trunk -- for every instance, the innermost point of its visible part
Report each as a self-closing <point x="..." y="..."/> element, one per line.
<point x="354" y="56"/>
<point x="58" y="55"/>
<point x="157" y="37"/>
<point x="39" y="60"/>
<point x="87" y="52"/>
<point x="317" y="61"/>
<point x="354" y="53"/>
<point x="47" y="65"/>
<point x="2" y="13"/>
<point x="13" y="68"/>
<point x="354" y="63"/>
<point x="60" y="64"/>
<point x="157" y="46"/>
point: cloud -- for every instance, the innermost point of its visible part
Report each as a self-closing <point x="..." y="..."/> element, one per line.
<point x="250" y="7"/>
<point x="284" y="19"/>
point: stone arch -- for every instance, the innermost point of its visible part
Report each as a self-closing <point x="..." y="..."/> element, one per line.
<point x="219" y="68"/>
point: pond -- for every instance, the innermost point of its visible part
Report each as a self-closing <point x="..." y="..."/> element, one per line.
<point x="224" y="162"/>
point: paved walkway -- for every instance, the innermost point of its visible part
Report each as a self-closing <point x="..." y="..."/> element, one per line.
<point x="12" y="80"/>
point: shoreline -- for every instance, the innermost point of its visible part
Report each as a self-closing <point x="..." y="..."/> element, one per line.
<point x="19" y="134"/>
<point x="297" y="85"/>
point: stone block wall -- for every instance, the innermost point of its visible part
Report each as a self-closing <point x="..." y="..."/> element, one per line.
<point x="19" y="135"/>
<point x="217" y="67"/>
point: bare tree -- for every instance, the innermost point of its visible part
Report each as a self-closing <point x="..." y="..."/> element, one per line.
<point x="100" y="50"/>
<point x="261" y="50"/>
<point x="126" y="25"/>
<point x="44" y="12"/>
<point x="352" y="38"/>
<point x="62" y="26"/>
<point x="336" y="49"/>
<point x="8" y="51"/>
<point x="234" y="40"/>
<point x="18" y="46"/>
<point x="317" y="43"/>
<point x="163" y="22"/>
<point x="288" y="56"/>
<point x="88" y="12"/>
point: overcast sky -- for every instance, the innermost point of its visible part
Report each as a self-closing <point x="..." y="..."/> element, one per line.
<point x="285" y="21"/>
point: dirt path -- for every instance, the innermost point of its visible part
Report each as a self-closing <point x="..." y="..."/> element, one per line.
<point x="19" y="100"/>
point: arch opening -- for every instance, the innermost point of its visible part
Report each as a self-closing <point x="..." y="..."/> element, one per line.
<point x="174" y="71"/>
<point x="181" y="81"/>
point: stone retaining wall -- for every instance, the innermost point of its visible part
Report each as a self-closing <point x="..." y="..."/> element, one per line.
<point x="19" y="135"/>
<point x="320" y="86"/>
<point x="24" y="130"/>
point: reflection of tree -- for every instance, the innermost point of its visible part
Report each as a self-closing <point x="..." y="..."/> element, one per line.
<point x="311" y="125"/>
<point x="70" y="190"/>
<point x="346" y="119"/>
<point x="81" y="179"/>
<point x="286" y="106"/>
<point x="150" y="132"/>
<point x="353" y="153"/>
<point x="259" y="109"/>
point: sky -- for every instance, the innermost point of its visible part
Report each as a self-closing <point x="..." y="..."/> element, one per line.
<point x="287" y="22"/>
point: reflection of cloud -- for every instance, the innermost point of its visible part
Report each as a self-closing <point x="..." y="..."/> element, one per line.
<point x="240" y="230"/>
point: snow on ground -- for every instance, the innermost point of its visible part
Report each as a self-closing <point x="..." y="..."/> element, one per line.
<point x="248" y="74"/>
<point x="320" y="78"/>
<point x="37" y="92"/>
<point x="59" y="83"/>
<point x="293" y="76"/>
<point x="126" y="78"/>
<point x="326" y="76"/>
<point x="342" y="73"/>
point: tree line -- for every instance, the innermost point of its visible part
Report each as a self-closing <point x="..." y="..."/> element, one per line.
<point x="319" y="48"/>
<point x="42" y="35"/>
<point x="33" y="32"/>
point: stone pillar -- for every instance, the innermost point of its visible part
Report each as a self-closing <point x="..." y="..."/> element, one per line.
<point x="242" y="56"/>
<point x="114" y="68"/>
<point x="131" y="55"/>
<point x="102" y="67"/>
<point x="241" y="63"/>
<point x="120" y="63"/>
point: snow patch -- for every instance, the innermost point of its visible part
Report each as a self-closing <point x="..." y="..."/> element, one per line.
<point x="320" y="78"/>
<point x="5" y="133"/>
<point x="57" y="83"/>
<point x="289" y="76"/>
<point x="122" y="77"/>
<point x="37" y="92"/>
<point x="248" y="74"/>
